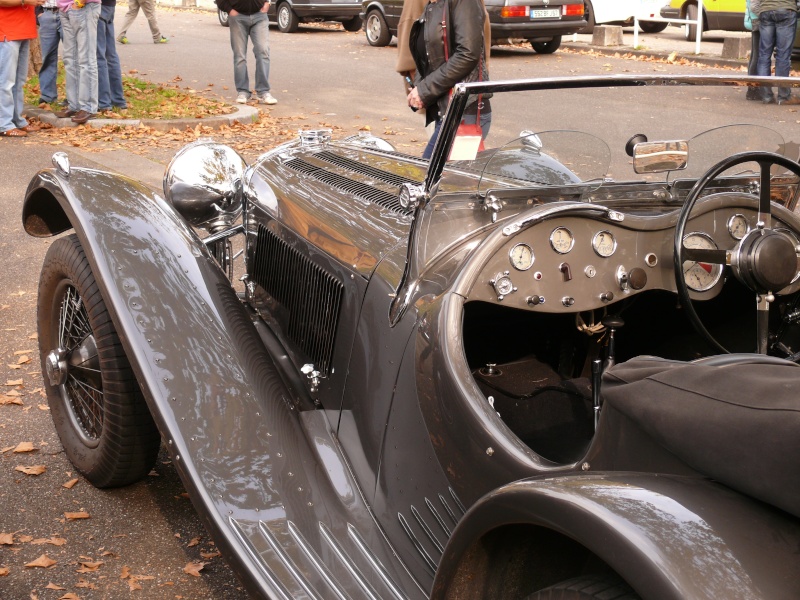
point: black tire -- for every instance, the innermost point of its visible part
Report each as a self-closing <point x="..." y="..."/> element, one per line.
<point x="547" y="47"/>
<point x="690" y="31"/>
<point x="652" y="26"/>
<point x="587" y="587"/>
<point x="588" y="12"/>
<point x="223" y="17"/>
<point x="98" y="410"/>
<point x="353" y="24"/>
<point x="288" y="22"/>
<point x="377" y="30"/>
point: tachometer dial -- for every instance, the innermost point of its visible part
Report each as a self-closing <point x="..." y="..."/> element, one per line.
<point x="604" y="243"/>
<point x="562" y="240"/>
<point x="521" y="257"/>
<point x="700" y="276"/>
<point x="738" y="226"/>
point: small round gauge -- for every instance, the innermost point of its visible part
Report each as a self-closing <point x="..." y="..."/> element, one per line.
<point x="502" y="285"/>
<point x="700" y="276"/>
<point x="738" y="226"/>
<point x="604" y="243"/>
<point x="521" y="257"/>
<point x="562" y="240"/>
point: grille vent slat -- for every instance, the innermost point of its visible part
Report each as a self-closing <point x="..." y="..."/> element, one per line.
<point x="357" y="188"/>
<point x="310" y="297"/>
<point x="357" y="167"/>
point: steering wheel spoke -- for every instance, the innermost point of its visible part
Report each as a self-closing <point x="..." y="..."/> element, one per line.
<point x="704" y="255"/>
<point x="765" y="187"/>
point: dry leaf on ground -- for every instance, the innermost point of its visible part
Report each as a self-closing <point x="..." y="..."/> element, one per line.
<point x="25" y="447"/>
<point x="76" y="515"/>
<point x="53" y="586"/>
<point x="6" y="539"/>
<point x="194" y="568"/>
<point x="70" y="484"/>
<point x="34" y="470"/>
<point x="43" y="561"/>
<point x="3" y="571"/>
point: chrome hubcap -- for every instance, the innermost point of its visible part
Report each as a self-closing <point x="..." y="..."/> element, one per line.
<point x="56" y="367"/>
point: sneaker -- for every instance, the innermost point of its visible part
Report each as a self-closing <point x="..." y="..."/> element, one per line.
<point x="123" y="40"/>
<point x="791" y="100"/>
<point x="768" y="99"/>
<point x="163" y="40"/>
<point x="242" y="98"/>
<point x="267" y="98"/>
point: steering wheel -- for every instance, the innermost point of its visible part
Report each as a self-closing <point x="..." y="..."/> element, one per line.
<point x="764" y="260"/>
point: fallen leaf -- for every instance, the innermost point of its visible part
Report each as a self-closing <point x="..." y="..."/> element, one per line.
<point x="6" y="539"/>
<point x="3" y="571"/>
<point x="53" y="541"/>
<point x="124" y="573"/>
<point x="24" y="360"/>
<point x="24" y="447"/>
<point x="34" y="470"/>
<point x="76" y="515"/>
<point x="193" y="542"/>
<point x="89" y="567"/>
<point x="70" y="484"/>
<point x="43" y="561"/>
<point x="70" y="596"/>
<point x="210" y="555"/>
<point x="82" y="583"/>
<point x="53" y="586"/>
<point x="10" y="400"/>
<point x="133" y="584"/>
<point x="194" y="568"/>
<point x="13" y="382"/>
<point x="21" y="352"/>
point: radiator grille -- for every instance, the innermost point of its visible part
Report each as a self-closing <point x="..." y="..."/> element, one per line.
<point x="309" y="296"/>
<point x="358" y="189"/>
<point x="357" y="167"/>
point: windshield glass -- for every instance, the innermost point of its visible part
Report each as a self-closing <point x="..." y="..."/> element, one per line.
<point x="579" y="138"/>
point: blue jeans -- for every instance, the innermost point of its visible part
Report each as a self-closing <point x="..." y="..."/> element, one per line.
<point x="777" y="29"/>
<point x="49" y="38"/>
<point x="486" y="123"/>
<point x="80" y="56"/>
<point x="13" y="73"/>
<point x="256" y="27"/>
<point x="109" y="72"/>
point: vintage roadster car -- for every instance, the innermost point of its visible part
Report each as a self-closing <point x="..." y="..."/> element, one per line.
<point x="563" y="366"/>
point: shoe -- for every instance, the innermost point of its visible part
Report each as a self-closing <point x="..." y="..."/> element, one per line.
<point x="14" y="133"/>
<point x="242" y="98"/>
<point x="768" y="100"/>
<point x="82" y="116"/>
<point x="752" y="94"/>
<point x="102" y="109"/>
<point x="123" y="40"/>
<point x="65" y="114"/>
<point x="163" y="40"/>
<point x="267" y="98"/>
<point x="31" y="127"/>
<point x="791" y="101"/>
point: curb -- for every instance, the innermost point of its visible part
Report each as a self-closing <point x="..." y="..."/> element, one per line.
<point x="711" y="61"/>
<point x="243" y="114"/>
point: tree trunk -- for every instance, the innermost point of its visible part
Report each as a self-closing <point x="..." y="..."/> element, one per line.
<point x="35" y="61"/>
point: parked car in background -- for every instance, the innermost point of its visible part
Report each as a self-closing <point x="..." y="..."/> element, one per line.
<point x="541" y="22"/>
<point x="717" y="14"/>
<point x="288" y="14"/>
<point x="622" y="12"/>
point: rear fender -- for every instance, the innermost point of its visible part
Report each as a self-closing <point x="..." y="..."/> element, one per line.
<point x="669" y="537"/>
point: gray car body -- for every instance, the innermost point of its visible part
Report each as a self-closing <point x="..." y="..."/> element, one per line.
<point x="389" y="480"/>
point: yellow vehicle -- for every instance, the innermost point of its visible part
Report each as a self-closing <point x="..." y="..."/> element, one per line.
<point x="717" y="14"/>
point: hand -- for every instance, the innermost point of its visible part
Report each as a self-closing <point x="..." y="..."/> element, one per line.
<point x="233" y="13"/>
<point x="265" y="8"/>
<point x="414" y="100"/>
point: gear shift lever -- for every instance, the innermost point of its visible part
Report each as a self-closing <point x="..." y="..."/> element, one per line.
<point x="612" y="323"/>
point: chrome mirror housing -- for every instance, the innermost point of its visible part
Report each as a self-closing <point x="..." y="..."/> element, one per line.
<point x="204" y="182"/>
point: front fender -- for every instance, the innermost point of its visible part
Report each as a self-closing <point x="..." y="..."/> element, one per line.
<point x="669" y="537"/>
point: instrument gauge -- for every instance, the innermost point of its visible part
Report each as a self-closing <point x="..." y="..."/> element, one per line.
<point x="562" y="240"/>
<point x="738" y="226"/>
<point x="521" y="257"/>
<point x="700" y="276"/>
<point x="604" y="243"/>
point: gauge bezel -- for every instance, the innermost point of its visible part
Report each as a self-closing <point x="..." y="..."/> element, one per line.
<point x="511" y="257"/>
<point x="730" y="226"/>
<point x="613" y="246"/>
<point x="718" y="268"/>
<point x="571" y="239"/>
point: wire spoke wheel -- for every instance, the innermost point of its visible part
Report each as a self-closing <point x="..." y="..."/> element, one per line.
<point x="98" y="410"/>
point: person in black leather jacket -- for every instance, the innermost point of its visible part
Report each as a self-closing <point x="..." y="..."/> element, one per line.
<point x="462" y="21"/>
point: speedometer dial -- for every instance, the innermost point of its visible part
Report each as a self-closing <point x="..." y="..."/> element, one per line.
<point x="700" y="276"/>
<point x="738" y="226"/>
<point x="521" y="257"/>
<point x="562" y="240"/>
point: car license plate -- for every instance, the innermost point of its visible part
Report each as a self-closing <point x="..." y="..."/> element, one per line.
<point x="545" y="13"/>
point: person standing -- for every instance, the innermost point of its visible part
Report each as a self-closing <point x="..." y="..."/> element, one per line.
<point x="149" y="9"/>
<point x="109" y="73"/>
<point x="79" y="23"/>
<point x="248" y="19"/>
<point x="751" y="24"/>
<point x="49" y="38"/>
<point x="17" y="29"/>
<point x="777" y="24"/>
<point x="448" y="47"/>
